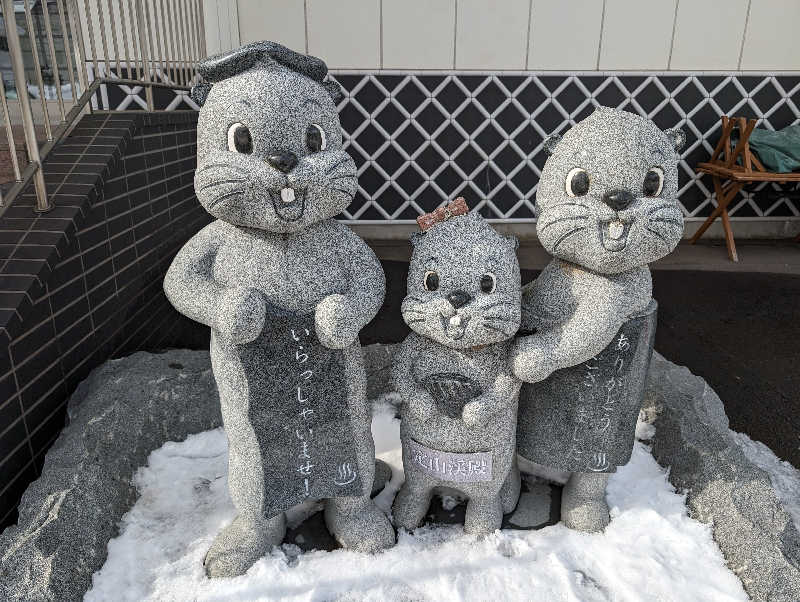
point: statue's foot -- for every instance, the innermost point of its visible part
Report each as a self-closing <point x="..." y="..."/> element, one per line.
<point x="410" y="506"/>
<point x="509" y="492"/>
<point x="241" y="543"/>
<point x="583" y="502"/>
<point x="383" y="474"/>
<point x="483" y="516"/>
<point x="588" y="516"/>
<point x="358" y="524"/>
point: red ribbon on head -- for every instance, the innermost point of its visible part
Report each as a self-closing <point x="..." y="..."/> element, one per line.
<point x="442" y="214"/>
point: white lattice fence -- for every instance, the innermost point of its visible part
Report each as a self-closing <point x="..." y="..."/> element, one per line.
<point x="422" y="139"/>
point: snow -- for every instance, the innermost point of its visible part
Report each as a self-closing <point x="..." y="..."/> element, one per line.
<point x="651" y="550"/>
<point x="784" y="477"/>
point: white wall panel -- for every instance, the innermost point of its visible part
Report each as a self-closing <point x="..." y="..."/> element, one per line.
<point x="772" y="41"/>
<point x="637" y="34"/>
<point x="565" y="35"/>
<point x="345" y="33"/>
<point x="708" y="34"/>
<point x="275" y="20"/>
<point x="492" y="35"/>
<point x="222" y="25"/>
<point x="418" y="34"/>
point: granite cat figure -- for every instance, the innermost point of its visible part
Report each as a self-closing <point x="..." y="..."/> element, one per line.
<point x="458" y="417"/>
<point x="284" y="288"/>
<point x="607" y="207"/>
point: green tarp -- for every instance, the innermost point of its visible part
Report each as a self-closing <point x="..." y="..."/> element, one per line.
<point x="778" y="151"/>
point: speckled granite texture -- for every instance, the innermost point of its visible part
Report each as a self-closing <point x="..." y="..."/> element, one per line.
<point x="285" y="290"/>
<point x="122" y="412"/>
<point x="59" y="542"/>
<point x="459" y="397"/>
<point x="725" y="489"/>
<point x="600" y="425"/>
<point x="606" y="208"/>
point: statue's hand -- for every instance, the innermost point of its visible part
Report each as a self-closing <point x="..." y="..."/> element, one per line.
<point x="421" y="406"/>
<point x="530" y="362"/>
<point x="336" y="322"/>
<point x="479" y="411"/>
<point x="241" y="314"/>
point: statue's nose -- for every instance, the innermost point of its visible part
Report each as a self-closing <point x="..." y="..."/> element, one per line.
<point x="618" y="199"/>
<point x="459" y="298"/>
<point x="284" y="162"/>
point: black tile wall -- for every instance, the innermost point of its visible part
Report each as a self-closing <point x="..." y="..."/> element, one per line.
<point x="82" y="283"/>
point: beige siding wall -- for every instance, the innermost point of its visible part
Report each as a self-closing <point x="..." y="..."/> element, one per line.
<point x="222" y="23"/>
<point x="585" y="35"/>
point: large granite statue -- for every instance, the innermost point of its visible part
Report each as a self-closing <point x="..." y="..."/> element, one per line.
<point x="458" y="417"/>
<point x="607" y="207"/>
<point x="285" y="290"/>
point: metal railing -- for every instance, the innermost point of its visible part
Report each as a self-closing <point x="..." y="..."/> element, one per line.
<point x="64" y="52"/>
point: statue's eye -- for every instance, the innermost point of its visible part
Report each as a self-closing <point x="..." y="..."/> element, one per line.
<point x="315" y="138"/>
<point x="431" y="281"/>
<point x="577" y="183"/>
<point x="653" y="182"/>
<point x="239" y="139"/>
<point x="488" y="282"/>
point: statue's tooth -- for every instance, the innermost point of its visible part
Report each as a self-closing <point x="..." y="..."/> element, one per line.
<point x="287" y="195"/>
<point x="616" y="229"/>
<point x="455" y="321"/>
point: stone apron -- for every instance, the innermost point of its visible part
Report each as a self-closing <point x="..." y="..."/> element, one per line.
<point x="451" y="392"/>
<point x="583" y="418"/>
<point x="299" y="413"/>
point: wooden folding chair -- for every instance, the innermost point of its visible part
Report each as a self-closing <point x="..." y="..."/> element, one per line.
<point x="731" y="174"/>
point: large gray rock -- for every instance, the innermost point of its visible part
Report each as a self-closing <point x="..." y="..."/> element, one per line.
<point x="128" y="407"/>
<point x="122" y="412"/>
<point x="724" y="487"/>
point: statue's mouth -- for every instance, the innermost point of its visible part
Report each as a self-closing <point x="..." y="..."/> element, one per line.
<point x="614" y="234"/>
<point x="454" y="326"/>
<point x="289" y="203"/>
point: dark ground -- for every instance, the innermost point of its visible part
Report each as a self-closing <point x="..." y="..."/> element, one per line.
<point x="739" y="331"/>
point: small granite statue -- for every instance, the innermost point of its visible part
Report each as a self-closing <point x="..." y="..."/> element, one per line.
<point x="606" y="208"/>
<point x="285" y="290"/>
<point x="458" y="418"/>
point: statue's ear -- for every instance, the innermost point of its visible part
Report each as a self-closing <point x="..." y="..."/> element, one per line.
<point x="335" y="91"/>
<point x="551" y="142"/>
<point x="199" y="93"/>
<point x="677" y="136"/>
<point x="415" y="238"/>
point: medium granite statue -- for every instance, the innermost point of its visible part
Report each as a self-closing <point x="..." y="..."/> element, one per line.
<point x="285" y="290"/>
<point x="607" y="207"/>
<point x="458" y="418"/>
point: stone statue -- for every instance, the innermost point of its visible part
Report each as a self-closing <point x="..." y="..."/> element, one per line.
<point x="607" y="206"/>
<point x="458" y="418"/>
<point x="285" y="290"/>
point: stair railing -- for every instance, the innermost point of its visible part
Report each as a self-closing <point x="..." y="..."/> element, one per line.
<point x="143" y="44"/>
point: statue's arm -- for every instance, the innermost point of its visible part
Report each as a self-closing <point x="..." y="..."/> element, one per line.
<point x="592" y="312"/>
<point x="416" y="400"/>
<point x="367" y="283"/>
<point x="189" y="283"/>
<point x="587" y="331"/>
<point x="237" y="314"/>
<point x="340" y="317"/>
<point x="503" y="392"/>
